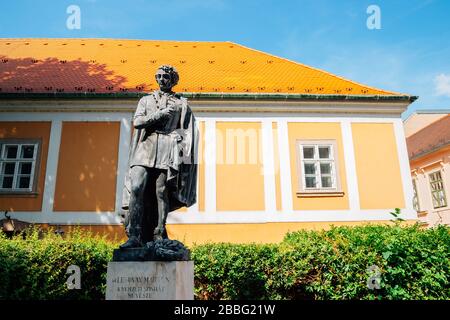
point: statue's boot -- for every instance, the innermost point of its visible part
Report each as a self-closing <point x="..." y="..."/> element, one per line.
<point x="134" y="240"/>
<point x="159" y="233"/>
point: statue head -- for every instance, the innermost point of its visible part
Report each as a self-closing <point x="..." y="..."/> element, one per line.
<point x="167" y="77"/>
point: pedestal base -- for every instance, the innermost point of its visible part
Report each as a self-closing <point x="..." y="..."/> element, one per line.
<point x="150" y="280"/>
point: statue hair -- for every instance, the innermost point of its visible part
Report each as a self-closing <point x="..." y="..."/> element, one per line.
<point x="172" y="71"/>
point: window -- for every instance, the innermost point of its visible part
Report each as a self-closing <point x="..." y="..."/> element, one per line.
<point x="437" y="190"/>
<point x="318" y="167"/>
<point x="416" y="197"/>
<point x="18" y="165"/>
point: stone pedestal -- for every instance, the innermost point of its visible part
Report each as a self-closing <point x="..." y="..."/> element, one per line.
<point x="150" y="280"/>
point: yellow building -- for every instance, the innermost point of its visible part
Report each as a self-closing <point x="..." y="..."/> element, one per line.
<point x="283" y="146"/>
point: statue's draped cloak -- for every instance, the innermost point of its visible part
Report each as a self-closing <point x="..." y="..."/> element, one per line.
<point x="182" y="158"/>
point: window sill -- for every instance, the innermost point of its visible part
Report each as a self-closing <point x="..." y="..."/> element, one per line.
<point x="439" y="209"/>
<point x="422" y="213"/>
<point x="19" y="194"/>
<point x="318" y="194"/>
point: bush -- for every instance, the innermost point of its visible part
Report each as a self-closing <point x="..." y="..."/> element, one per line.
<point x="413" y="263"/>
<point x="35" y="267"/>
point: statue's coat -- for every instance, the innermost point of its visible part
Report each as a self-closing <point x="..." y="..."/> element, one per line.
<point x="172" y="145"/>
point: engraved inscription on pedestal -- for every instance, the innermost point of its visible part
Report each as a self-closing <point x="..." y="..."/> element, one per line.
<point x="150" y="280"/>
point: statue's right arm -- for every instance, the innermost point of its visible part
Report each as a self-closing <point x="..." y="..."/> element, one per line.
<point x="142" y="119"/>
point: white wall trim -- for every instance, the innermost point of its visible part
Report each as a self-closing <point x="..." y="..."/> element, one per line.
<point x="405" y="170"/>
<point x="201" y="146"/>
<point x="285" y="167"/>
<point x="229" y="217"/>
<point x="294" y="216"/>
<point x="245" y="117"/>
<point x="68" y="217"/>
<point x="122" y="158"/>
<point x="66" y="116"/>
<point x="383" y="108"/>
<point x="350" y="165"/>
<point x="210" y="165"/>
<point x="257" y="117"/>
<point x="52" y="169"/>
<point x="268" y="165"/>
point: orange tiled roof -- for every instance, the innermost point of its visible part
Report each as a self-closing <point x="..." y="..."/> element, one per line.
<point x="101" y="65"/>
<point x="429" y="138"/>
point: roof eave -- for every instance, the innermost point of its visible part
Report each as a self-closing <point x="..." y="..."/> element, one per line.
<point x="425" y="152"/>
<point x="214" y="96"/>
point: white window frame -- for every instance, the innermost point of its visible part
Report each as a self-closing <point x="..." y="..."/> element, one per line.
<point x="20" y="143"/>
<point x="416" y="201"/>
<point x="335" y="189"/>
<point x="443" y="189"/>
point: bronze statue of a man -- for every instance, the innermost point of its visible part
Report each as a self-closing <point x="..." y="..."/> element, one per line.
<point x="162" y="168"/>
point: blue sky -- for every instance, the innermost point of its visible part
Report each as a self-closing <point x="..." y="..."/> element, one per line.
<point x="409" y="54"/>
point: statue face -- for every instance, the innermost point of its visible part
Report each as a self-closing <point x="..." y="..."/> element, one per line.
<point x="164" y="80"/>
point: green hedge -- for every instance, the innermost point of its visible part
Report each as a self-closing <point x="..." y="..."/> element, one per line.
<point x="414" y="263"/>
<point x="35" y="267"/>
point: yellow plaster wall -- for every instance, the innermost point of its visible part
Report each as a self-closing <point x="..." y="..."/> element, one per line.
<point x="191" y="234"/>
<point x="240" y="184"/>
<point x="87" y="167"/>
<point x="114" y="233"/>
<point x="249" y="232"/>
<point x="326" y="131"/>
<point x="377" y="166"/>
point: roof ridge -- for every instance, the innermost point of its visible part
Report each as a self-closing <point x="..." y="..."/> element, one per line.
<point x="326" y="72"/>
<point x="111" y="39"/>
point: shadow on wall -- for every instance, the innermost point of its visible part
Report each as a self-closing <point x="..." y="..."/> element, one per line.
<point x="30" y="75"/>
